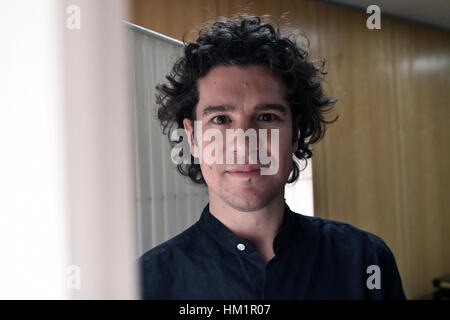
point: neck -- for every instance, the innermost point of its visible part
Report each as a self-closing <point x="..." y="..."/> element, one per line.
<point x="259" y="226"/>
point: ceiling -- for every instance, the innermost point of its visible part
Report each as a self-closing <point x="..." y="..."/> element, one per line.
<point x="431" y="12"/>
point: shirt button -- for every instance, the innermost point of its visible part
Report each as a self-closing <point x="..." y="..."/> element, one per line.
<point x="241" y="247"/>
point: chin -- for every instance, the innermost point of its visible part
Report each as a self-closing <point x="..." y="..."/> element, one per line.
<point x="245" y="194"/>
<point x="248" y="201"/>
<point x="247" y="207"/>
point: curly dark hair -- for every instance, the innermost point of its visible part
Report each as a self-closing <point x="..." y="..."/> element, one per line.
<point x="247" y="40"/>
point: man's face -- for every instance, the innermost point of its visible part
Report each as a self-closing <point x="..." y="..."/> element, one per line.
<point x="251" y="97"/>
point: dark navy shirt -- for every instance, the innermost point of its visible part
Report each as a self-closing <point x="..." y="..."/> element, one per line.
<point x="314" y="258"/>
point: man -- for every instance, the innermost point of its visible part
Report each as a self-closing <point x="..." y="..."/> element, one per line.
<point x="242" y="73"/>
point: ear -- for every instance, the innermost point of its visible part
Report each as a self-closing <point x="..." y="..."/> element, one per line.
<point x="189" y="127"/>
<point x="297" y="133"/>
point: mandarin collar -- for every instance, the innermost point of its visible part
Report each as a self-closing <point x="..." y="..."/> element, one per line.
<point x="225" y="238"/>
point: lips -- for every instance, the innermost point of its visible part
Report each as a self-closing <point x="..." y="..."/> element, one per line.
<point x="245" y="171"/>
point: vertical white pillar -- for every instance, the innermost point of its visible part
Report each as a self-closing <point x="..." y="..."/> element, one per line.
<point x="100" y="150"/>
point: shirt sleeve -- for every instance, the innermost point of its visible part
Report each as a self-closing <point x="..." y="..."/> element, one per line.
<point x="394" y="283"/>
<point x="391" y="283"/>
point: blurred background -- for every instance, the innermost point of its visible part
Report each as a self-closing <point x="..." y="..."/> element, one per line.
<point x="86" y="185"/>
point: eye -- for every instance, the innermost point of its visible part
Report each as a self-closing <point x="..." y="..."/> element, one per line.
<point x="220" y="119"/>
<point x="268" y="117"/>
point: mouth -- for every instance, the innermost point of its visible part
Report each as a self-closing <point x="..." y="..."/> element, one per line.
<point x="245" y="171"/>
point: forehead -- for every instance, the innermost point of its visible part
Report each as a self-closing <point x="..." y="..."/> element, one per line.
<point x="240" y="85"/>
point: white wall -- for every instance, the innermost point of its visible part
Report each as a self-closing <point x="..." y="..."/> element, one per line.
<point x="32" y="216"/>
<point x="299" y="195"/>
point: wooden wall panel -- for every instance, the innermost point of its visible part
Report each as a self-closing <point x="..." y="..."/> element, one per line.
<point x="422" y="68"/>
<point x="356" y="166"/>
<point x="300" y="15"/>
<point x="175" y="18"/>
<point x="383" y="166"/>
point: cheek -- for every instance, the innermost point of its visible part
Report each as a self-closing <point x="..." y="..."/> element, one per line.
<point x="207" y="169"/>
<point x="285" y="156"/>
<point x="209" y="173"/>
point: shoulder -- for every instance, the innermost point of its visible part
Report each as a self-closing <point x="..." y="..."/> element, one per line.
<point x="335" y="233"/>
<point x="159" y="265"/>
<point x="353" y="251"/>
<point x="332" y="228"/>
<point x="170" y="248"/>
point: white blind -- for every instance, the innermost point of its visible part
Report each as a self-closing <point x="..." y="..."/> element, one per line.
<point x="167" y="202"/>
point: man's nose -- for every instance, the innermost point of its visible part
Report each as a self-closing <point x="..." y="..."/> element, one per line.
<point x="245" y="143"/>
<point x="245" y="123"/>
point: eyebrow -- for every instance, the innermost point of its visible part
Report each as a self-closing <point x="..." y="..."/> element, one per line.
<point x="260" y="107"/>
<point x="271" y="106"/>
<point x="213" y="109"/>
